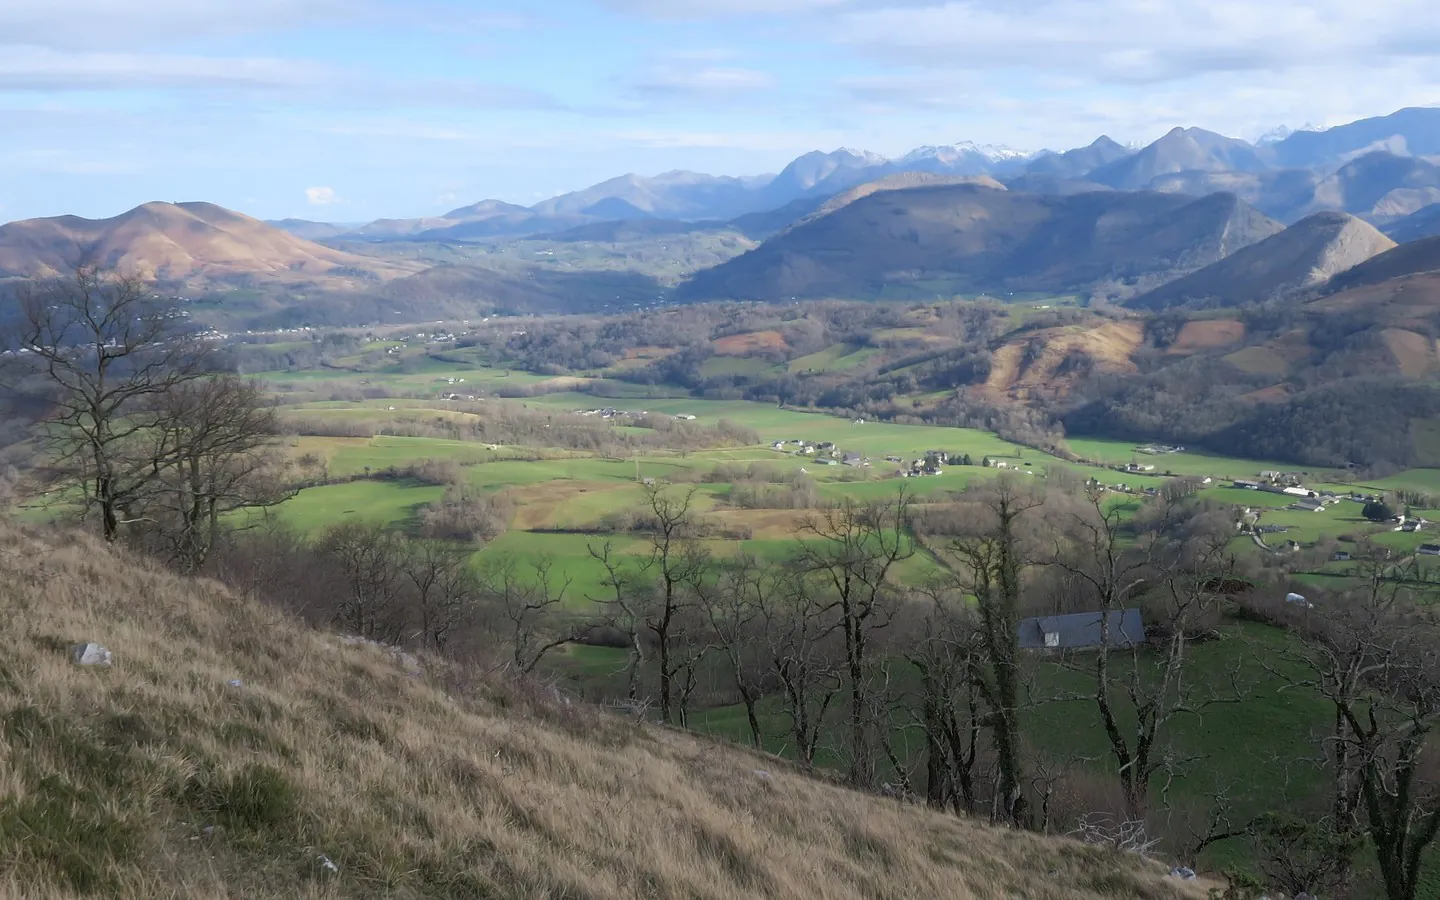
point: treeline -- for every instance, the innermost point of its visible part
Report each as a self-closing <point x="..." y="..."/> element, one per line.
<point x="1366" y="422"/>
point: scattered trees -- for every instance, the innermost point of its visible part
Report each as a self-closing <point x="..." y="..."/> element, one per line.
<point x="140" y="431"/>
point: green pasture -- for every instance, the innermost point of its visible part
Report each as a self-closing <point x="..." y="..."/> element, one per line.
<point x="393" y="502"/>
<point x="735" y="365"/>
<point x="835" y="358"/>
<point x="570" y="558"/>
<point x="1254" y="747"/>
<point x="1188" y="462"/>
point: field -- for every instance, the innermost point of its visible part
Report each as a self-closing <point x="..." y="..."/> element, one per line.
<point x="568" y="490"/>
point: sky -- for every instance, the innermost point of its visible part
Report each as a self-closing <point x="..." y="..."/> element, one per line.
<point x="350" y="110"/>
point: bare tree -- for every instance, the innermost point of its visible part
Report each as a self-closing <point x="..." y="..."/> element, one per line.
<point x="1372" y="655"/>
<point x="212" y="454"/>
<point x="945" y="654"/>
<point x="853" y="550"/>
<point x="527" y="602"/>
<point x="104" y="349"/>
<point x="796" y="632"/>
<point x="367" y="558"/>
<point x="676" y="561"/>
<point x="443" y="588"/>
<point x="733" y="605"/>
<point x="623" y="605"/>
<point x="994" y="562"/>
<point x="1182" y="580"/>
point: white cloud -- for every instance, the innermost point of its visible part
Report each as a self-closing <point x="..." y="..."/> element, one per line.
<point x="91" y="24"/>
<point x="321" y="196"/>
<point x="43" y="69"/>
<point x="1142" y="41"/>
<point x="714" y="80"/>
<point x="703" y="9"/>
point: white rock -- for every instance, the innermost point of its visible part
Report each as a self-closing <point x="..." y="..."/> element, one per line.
<point x="91" y="654"/>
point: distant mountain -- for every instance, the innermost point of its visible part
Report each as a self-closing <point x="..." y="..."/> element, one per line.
<point x="763" y="224"/>
<point x="1381" y="186"/>
<point x="898" y="182"/>
<point x="390" y="229"/>
<point x="1286" y="195"/>
<point x="486" y="209"/>
<point x="964" y="158"/>
<point x="1076" y="164"/>
<point x="310" y="231"/>
<point x="623" y="230"/>
<point x="1422" y="224"/>
<point x="676" y="195"/>
<point x="180" y="242"/>
<point x="1306" y="254"/>
<point x="1414" y="131"/>
<point x="1182" y="150"/>
<point x="1036" y="183"/>
<point x="951" y="239"/>
<point x="1281" y="132"/>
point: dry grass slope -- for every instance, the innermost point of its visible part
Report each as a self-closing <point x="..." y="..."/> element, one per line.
<point x="181" y="242"/>
<point x="108" y="777"/>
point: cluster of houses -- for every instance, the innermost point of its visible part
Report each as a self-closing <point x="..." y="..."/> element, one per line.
<point x="1289" y="484"/>
<point x="825" y="453"/>
<point x="610" y="412"/>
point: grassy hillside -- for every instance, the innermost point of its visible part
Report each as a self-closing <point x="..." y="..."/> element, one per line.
<point x="160" y="777"/>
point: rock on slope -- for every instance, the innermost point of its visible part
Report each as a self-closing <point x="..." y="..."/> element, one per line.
<point x="1306" y="254"/>
<point x="328" y="771"/>
<point x="175" y="242"/>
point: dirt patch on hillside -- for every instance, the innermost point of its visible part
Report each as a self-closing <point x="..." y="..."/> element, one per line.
<point x="1207" y="335"/>
<point x="564" y="383"/>
<point x="649" y="352"/>
<point x="765" y="524"/>
<point x="1275" y="357"/>
<point x="745" y="344"/>
<point x="552" y="504"/>
<point x="1414" y="353"/>
<point x="1050" y="363"/>
<point x="1275" y="393"/>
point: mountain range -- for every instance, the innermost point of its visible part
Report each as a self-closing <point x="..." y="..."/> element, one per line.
<point x="1373" y="168"/>
<point x="969" y="238"/>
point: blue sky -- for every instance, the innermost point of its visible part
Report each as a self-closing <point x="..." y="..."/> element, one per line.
<point x="348" y="110"/>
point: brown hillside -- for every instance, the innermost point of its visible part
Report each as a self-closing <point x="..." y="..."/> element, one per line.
<point x="159" y="777"/>
<point x="1306" y="254"/>
<point x="1049" y="363"/>
<point x="178" y="242"/>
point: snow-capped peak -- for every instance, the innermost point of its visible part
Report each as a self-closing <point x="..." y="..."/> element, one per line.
<point x="865" y="156"/>
<point x="990" y="152"/>
<point x="1281" y="132"/>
